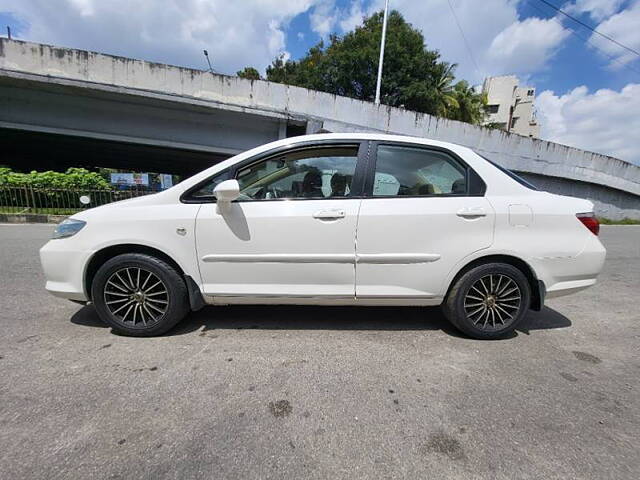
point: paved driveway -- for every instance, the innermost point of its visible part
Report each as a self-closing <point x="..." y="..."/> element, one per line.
<point x="284" y="392"/>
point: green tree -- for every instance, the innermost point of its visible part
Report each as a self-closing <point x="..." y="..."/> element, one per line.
<point x="249" y="73"/>
<point x="414" y="77"/>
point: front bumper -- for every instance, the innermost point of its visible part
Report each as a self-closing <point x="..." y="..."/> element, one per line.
<point x="64" y="269"/>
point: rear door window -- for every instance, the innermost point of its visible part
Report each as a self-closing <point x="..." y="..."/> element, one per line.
<point x="409" y="171"/>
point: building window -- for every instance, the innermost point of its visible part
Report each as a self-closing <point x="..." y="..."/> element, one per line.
<point x="493" y="108"/>
<point x="514" y="120"/>
<point x="530" y="92"/>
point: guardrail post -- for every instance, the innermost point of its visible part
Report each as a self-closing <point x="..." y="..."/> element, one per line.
<point x="26" y="197"/>
<point x="33" y="200"/>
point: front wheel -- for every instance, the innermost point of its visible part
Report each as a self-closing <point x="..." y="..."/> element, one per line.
<point x="139" y="295"/>
<point x="488" y="301"/>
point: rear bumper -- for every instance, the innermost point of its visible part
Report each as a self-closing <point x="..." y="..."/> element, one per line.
<point x="561" y="289"/>
<point x="64" y="269"/>
<point x="568" y="275"/>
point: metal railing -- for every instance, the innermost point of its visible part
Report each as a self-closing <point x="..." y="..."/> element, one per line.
<point x="24" y="200"/>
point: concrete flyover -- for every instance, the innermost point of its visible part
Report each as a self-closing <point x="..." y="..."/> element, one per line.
<point x="63" y="106"/>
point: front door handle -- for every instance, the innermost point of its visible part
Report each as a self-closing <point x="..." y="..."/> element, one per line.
<point x="472" y="212"/>
<point x="329" y="214"/>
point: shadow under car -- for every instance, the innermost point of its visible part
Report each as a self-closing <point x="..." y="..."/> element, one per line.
<point x="294" y="317"/>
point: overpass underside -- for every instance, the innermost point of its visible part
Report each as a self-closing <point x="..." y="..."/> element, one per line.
<point x="25" y="150"/>
<point x="46" y="126"/>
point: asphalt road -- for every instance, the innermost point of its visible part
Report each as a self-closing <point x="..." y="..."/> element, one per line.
<point x="283" y="392"/>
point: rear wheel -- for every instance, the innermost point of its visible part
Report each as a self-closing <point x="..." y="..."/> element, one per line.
<point x="488" y="301"/>
<point x="139" y="295"/>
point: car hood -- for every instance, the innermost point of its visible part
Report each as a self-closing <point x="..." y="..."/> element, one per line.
<point x="151" y="199"/>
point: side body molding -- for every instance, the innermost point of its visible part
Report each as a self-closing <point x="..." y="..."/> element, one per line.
<point x="376" y="258"/>
<point x="396" y="258"/>
<point x="280" y="258"/>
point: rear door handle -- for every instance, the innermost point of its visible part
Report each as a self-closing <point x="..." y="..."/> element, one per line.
<point x="329" y="214"/>
<point x="471" y="212"/>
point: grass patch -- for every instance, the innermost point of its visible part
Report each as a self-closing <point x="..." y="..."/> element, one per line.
<point x="624" y="221"/>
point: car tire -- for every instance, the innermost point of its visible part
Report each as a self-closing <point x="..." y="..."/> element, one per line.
<point x="139" y="295"/>
<point x="488" y="301"/>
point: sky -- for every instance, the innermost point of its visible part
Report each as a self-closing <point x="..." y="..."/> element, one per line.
<point x="588" y="88"/>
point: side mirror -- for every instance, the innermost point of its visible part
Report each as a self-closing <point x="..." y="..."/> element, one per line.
<point x="227" y="191"/>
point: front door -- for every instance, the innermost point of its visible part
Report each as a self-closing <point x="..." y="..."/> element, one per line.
<point x="421" y="217"/>
<point x="292" y="231"/>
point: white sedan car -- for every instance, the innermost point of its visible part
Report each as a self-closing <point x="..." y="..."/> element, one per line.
<point x="335" y="219"/>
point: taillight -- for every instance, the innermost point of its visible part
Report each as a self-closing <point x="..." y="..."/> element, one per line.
<point x="590" y="221"/>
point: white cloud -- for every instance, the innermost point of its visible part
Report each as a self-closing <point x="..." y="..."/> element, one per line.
<point x="598" y="10"/>
<point x="605" y="121"/>
<point x="500" y="43"/>
<point x="84" y="6"/>
<point x="623" y="27"/>
<point x="323" y="18"/>
<point x="353" y="16"/>
<point x="525" y="46"/>
<point x="236" y="34"/>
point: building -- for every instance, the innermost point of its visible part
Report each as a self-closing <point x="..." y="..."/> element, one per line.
<point x="510" y="106"/>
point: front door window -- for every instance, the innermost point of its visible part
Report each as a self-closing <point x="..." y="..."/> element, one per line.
<point x="315" y="173"/>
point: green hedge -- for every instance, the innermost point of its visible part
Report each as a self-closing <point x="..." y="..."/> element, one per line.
<point x="72" y="179"/>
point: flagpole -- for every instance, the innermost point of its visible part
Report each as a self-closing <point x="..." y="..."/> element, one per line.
<point x="384" y="34"/>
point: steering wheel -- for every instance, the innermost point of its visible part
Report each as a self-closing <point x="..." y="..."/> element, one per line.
<point x="267" y="192"/>
<point x="273" y="191"/>
<point x="261" y="193"/>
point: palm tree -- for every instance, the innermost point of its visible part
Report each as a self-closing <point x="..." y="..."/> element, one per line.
<point x="446" y="101"/>
<point x="470" y="104"/>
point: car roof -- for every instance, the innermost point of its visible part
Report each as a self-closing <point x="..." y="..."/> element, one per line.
<point x="292" y="141"/>
<point x="384" y="137"/>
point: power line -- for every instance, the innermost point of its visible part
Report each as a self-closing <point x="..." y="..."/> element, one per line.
<point x="587" y="40"/>
<point x="464" y="38"/>
<point x="590" y="27"/>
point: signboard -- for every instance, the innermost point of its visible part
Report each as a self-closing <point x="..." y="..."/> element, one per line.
<point x="166" y="181"/>
<point x="130" y="179"/>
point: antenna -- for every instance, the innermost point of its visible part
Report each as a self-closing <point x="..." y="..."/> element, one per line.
<point x="206" y="54"/>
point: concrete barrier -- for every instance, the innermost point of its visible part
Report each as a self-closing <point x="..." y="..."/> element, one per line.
<point x="558" y="165"/>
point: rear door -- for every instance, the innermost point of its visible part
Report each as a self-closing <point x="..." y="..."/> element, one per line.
<point x="424" y="210"/>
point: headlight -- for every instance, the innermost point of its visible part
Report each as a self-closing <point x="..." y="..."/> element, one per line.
<point x="68" y="228"/>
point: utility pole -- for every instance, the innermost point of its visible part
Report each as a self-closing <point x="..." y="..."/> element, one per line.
<point x="384" y="34"/>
